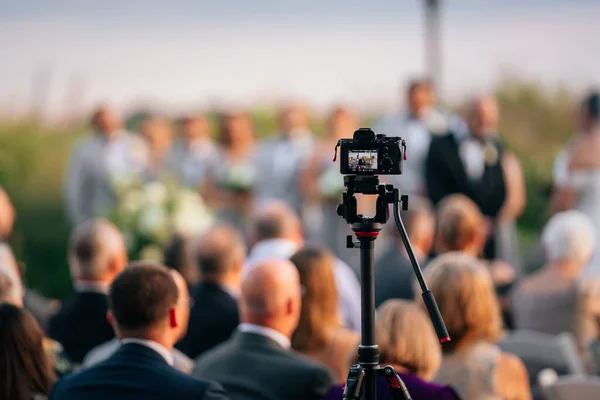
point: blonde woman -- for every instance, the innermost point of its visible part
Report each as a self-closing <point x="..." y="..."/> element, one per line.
<point x="472" y="362"/>
<point x="408" y="343"/>
<point x="320" y="334"/>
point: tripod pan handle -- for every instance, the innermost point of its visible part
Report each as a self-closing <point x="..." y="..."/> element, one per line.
<point x="436" y="317"/>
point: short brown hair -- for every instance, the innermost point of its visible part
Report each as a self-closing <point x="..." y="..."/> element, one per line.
<point x="142" y="295"/>
<point x="458" y="220"/>
<point x="319" y="314"/>
<point x="464" y="292"/>
<point x="406" y="338"/>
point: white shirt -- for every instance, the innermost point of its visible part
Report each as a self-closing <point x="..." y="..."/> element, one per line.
<point x="272" y="334"/>
<point x="159" y="348"/>
<point x="271" y="249"/>
<point x="93" y="287"/>
<point x="472" y="154"/>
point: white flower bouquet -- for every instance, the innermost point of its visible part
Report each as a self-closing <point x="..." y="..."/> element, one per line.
<point x="149" y="214"/>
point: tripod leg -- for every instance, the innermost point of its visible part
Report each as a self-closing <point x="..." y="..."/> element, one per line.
<point x="354" y="383"/>
<point x="397" y="386"/>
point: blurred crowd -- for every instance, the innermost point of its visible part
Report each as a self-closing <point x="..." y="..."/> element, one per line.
<point x="262" y="301"/>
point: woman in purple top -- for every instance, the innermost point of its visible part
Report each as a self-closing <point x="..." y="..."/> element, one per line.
<point x="408" y="343"/>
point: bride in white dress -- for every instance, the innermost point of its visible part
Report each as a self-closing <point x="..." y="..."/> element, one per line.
<point x="577" y="173"/>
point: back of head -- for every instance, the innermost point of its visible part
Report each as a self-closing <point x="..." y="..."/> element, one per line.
<point x="419" y="221"/>
<point x="591" y="107"/>
<point x="569" y="237"/>
<point x="25" y="369"/>
<point x="465" y="294"/>
<point x="141" y="298"/>
<point x="319" y="316"/>
<point x="271" y="296"/>
<point x="11" y="287"/>
<point x="97" y="251"/>
<point x="219" y="253"/>
<point x="276" y="220"/>
<point x="406" y="338"/>
<point x="460" y="225"/>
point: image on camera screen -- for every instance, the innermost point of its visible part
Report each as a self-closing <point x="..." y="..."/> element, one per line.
<point x="362" y="160"/>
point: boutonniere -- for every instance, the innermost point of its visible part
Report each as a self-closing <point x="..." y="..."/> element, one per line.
<point x="436" y="123"/>
<point x="490" y="154"/>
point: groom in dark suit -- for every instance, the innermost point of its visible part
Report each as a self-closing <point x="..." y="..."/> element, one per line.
<point x="149" y="307"/>
<point x="470" y="164"/>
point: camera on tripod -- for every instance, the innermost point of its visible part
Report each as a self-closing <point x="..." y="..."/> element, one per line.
<point x="362" y="159"/>
<point x="370" y="154"/>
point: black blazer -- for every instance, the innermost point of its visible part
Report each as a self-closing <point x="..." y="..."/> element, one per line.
<point x="81" y="324"/>
<point x="445" y="174"/>
<point x="213" y="318"/>
<point x="394" y="276"/>
<point x="134" y="372"/>
<point x="253" y="367"/>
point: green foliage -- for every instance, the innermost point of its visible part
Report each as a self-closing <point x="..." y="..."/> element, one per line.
<point x="536" y="122"/>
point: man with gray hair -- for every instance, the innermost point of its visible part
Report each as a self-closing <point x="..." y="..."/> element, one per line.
<point x="556" y="299"/>
<point x="97" y="255"/>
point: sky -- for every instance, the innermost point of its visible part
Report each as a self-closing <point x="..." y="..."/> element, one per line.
<point x="66" y="56"/>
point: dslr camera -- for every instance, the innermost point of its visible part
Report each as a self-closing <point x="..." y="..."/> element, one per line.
<point x="370" y="154"/>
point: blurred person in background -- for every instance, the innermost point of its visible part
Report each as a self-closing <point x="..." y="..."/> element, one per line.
<point x="423" y="121"/>
<point x="280" y="159"/>
<point x="97" y="255"/>
<point x="409" y="344"/>
<point x="25" y="370"/>
<point x="323" y="185"/>
<point x="555" y="299"/>
<point x="276" y="232"/>
<point x="577" y="171"/>
<point x="320" y="334"/>
<point x="462" y="227"/>
<point x="181" y="362"/>
<point x="178" y="256"/>
<point x="394" y="273"/>
<point x="477" y="165"/>
<point x="99" y="163"/>
<point x="231" y="175"/>
<point x="472" y="363"/>
<point x="149" y="308"/>
<point x="219" y="257"/>
<point x="193" y="149"/>
<point x="41" y="307"/>
<point x="11" y="292"/>
<point x="155" y="141"/>
<point x="260" y="352"/>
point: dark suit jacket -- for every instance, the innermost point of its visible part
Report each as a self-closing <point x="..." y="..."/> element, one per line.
<point x="394" y="276"/>
<point x="253" y="367"/>
<point x="213" y="318"/>
<point x="134" y="372"/>
<point x="445" y="174"/>
<point x="81" y="324"/>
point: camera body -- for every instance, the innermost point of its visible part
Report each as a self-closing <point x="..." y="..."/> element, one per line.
<point x="370" y="154"/>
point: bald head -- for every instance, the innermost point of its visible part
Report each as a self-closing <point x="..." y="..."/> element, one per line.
<point x="277" y="220"/>
<point x="220" y="252"/>
<point x="97" y="251"/>
<point x="460" y="226"/>
<point x="483" y="116"/>
<point x="271" y="296"/>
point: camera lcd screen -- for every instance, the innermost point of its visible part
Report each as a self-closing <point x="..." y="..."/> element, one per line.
<point x="362" y="160"/>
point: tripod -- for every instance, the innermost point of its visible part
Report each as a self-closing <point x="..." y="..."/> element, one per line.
<point x="362" y="378"/>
